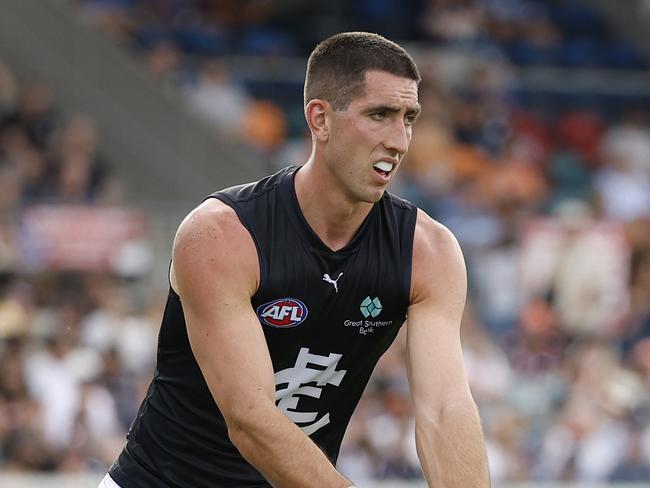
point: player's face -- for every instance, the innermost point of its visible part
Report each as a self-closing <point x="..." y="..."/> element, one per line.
<point x="369" y="139"/>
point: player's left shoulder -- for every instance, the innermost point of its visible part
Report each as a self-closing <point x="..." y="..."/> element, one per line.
<point x="437" y="257"/>
<point x="432" y="239"/>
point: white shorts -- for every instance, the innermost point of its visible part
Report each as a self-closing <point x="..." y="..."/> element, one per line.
<point x="108" y="482"/>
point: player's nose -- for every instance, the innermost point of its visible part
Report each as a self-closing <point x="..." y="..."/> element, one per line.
<point x="398" y="138"/>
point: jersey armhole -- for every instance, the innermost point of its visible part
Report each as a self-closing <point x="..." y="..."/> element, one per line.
<point x="408" y="238"/>
<point x="172" y="292"/>
<point x="240" y="214"/>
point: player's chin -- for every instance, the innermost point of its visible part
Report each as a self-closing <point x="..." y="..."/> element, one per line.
<point x="374" y="195"/>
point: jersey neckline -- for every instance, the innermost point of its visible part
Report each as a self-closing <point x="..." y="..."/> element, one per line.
<point x="289" y="190"/>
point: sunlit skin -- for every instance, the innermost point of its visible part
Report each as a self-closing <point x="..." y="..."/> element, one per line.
<point x="338" y="185"/>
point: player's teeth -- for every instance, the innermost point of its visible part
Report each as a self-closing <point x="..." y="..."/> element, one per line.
<point x="383" y="166"/>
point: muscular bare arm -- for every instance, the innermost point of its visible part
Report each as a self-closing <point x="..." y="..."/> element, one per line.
<point x="448" y="432"/>
<point x="215" y="272"/>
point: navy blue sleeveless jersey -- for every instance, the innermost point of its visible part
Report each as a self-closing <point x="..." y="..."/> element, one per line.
<point x="327" y="317"/>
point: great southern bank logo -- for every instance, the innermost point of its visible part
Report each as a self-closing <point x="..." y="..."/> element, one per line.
<point x="283" y="313"/>
<point x="371" y="308"/>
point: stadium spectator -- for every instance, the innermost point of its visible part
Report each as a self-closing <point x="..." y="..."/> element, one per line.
<point x="218" y="100"/>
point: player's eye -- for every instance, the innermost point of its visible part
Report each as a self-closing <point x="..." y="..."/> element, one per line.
<point x="378" y="115"/>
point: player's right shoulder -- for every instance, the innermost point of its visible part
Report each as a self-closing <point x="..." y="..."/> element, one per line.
<point x="211" y="220"/>
<point x="211" y="241"/>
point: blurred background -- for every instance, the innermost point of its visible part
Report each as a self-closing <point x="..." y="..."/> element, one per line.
<point x="118" y="116"/>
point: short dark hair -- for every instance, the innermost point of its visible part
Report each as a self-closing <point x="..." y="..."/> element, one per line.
<point x="337" y="67"/>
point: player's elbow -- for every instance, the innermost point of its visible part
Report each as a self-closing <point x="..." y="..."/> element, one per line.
<point x="241" y="424"/>
<point x="247" y="426"/>
<point x="239" y="435"/>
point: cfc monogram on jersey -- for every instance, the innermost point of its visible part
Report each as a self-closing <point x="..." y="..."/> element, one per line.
<point x="306" y="378"/>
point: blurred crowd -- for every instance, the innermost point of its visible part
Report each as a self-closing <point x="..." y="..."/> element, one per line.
<point x="224" y="58"/>
<point x="77" y="354"/>
<point x="65" y="368"/>
<point x="549" y="198"/>
<point x="45" y="155"/>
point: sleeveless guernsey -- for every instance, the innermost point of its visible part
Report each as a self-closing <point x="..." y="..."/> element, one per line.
<point x="327" y="318"/>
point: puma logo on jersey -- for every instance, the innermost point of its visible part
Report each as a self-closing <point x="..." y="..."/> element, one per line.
<point x="283" y="313"/>
<point x="326" y="277"/>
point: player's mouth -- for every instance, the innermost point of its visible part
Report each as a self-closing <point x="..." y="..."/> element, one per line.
<point x="384" y="168"/>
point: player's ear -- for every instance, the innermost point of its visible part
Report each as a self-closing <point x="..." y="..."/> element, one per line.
<point x="316" y="115"/>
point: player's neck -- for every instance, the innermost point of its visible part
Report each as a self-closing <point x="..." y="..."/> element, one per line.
<point x="329" y="213"/>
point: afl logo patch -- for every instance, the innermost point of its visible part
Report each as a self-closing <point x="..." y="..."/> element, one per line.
<point x="283" y="313"/>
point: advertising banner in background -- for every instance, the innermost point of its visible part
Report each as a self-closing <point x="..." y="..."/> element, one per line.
<point x="75" y="238"/>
